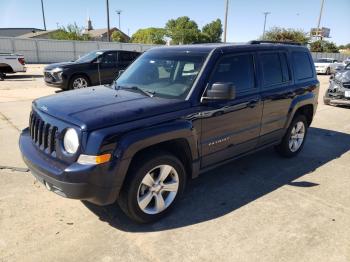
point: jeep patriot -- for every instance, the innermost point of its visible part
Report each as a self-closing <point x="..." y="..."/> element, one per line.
<point x="174" y="113"/>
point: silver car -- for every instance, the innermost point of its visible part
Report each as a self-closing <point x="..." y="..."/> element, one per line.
<point x="338" y="92"/>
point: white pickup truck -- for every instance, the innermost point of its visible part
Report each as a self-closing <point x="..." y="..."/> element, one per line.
<point x="11" y="63"/>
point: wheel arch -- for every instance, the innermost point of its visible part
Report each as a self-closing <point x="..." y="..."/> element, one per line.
<point x="6" y="68"/>
<point x="75" y="74"/>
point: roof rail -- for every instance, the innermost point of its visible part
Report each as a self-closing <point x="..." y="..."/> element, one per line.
<point x="257" y="42"/>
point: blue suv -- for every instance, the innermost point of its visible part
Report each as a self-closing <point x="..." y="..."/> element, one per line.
<point x="174" y="113"/>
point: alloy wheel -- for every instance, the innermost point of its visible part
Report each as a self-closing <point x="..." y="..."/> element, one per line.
<point x="158" y="189"/>
<point x="297" y="136"/>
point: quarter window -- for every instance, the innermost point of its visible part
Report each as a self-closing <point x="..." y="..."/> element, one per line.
<point x="302" y="65"/>
<point x="236" y="69"/>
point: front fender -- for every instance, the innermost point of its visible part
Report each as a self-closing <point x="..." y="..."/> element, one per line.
<point x="132" y="142"/>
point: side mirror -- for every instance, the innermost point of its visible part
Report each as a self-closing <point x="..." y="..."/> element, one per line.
<point x="221" y="91"/>
<point x="98" y="60"/>
<point x="120" y="72"/>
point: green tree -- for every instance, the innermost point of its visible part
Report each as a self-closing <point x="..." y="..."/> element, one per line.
<point x="150" y="35"/>
<point x="212" y="32"/>
<point x="117" y="36"/>
<point x="71" y="32"/>
<point x="286" y="34"/>
<point x="182" y="30"/>
<point x="323" y="46"/>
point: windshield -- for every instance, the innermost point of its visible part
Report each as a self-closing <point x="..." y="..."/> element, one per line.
<point x="89" y="57"/>
<point x="164" y="74"/>
<point x="323" y="60"/>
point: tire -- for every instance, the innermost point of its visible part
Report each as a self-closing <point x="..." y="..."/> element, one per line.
<point x="143" y="203"/>
<point x="326" y="101"/>
<point x="75" y="80"/>
<point x="328" y="71"/>
<point x="287" y="148"/>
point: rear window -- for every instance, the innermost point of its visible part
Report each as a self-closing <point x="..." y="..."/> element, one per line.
<point x="302" y="65"/>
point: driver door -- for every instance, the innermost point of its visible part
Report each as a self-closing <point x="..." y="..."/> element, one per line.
<point x="230" y="128"/>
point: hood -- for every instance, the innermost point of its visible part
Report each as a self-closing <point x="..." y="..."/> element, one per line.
<point x="101" y="106"/>
<point x="343" y="76"/>
<point x="61" y="65"/>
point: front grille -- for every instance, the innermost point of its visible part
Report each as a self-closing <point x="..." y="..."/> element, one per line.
<point x="48" y="77"/>
<point x="43" y="134"/>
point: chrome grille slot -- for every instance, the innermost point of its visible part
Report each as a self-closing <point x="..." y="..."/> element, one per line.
<point x="43" y="134"/>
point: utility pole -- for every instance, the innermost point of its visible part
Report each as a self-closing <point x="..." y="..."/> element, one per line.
<point x="119" y="12"/>
<point x="319" y="21"/>
<point x="42" y="10"/>
<point x="225" y="23"/>
<point x="265" y="14"/>
<point x="108" y="28"/>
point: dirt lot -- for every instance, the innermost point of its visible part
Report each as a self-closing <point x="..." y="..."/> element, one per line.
<point x="261" y="207"/>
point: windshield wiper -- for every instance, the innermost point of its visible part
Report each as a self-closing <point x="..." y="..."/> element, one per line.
<point x="136" y="88"/>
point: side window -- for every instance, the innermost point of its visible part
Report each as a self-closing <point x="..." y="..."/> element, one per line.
<point x="285" y="69"/>
<point x="237" y="69"/>
<point x="302" y="65"/>
<point x="125" y="56"/>
<point x="272" y="70"/>
<point x="109" y="59"/>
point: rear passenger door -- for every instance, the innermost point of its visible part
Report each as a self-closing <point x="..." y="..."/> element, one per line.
<point x="108" y="67"/>
<point x="231" y="127"/>
<point x="276" y="93"/>
<point x="125" y="58"/>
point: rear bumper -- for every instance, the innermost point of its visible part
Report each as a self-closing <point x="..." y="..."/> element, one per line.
<point x="72" y="181"/>
<point x="321" y="70"/>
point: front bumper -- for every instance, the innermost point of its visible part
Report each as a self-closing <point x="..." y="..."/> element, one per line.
<point x="51" y="80"/>
<point x="84" y="182"/>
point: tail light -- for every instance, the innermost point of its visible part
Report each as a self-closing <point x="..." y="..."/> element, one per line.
<point x="21" y="61"/>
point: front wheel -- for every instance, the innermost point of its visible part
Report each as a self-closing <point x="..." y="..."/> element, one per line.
<point x="152" y="187"/>
<point x="78" y="82"/>
<point x="294" y="139"/>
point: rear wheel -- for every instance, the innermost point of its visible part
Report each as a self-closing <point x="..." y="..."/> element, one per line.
<point x="152" y="187"/>
<point x="294" y="139"/>
<point x="78" y="82"/>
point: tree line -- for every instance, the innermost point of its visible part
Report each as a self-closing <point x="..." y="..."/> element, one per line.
<point x="183" y="30"/>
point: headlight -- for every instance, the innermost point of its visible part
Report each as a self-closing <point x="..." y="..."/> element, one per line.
<point x="71" y="141"/>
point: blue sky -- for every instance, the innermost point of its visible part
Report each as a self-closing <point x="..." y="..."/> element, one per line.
<point x="245" y="17"/>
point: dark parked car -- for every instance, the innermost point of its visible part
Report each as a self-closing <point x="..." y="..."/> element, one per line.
<point x="338" y="92"/>
<point x="95" y="68"/>
<point x="174" y="113"/>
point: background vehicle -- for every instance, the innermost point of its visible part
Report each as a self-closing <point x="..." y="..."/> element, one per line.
<point x="95" y="68"/>
<point x="337" y="67"/>
<point x="338" y="92"/>
<point x="11" y="63"/>
<point x="174" y="113"/>
<point x="324" y="65"/>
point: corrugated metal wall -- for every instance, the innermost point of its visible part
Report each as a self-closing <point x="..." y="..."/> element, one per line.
<point x="51" y="51"/>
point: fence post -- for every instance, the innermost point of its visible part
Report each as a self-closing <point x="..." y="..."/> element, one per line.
<point x="36" y="50"/>
<point x="13" y="45"/>
<point x="74" y="51"/>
